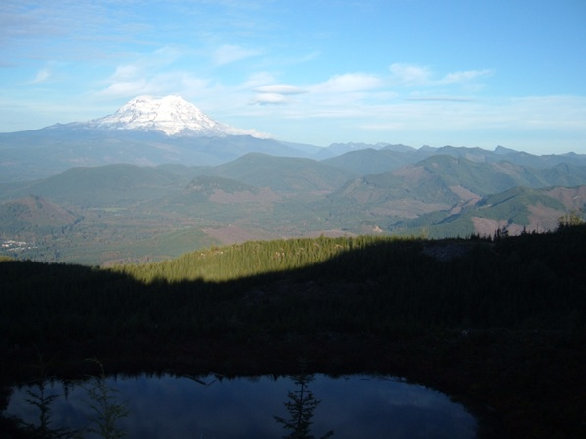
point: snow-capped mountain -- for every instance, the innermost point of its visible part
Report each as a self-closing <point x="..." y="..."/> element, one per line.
<point x="146" y="131"/>
<point x="172" y="115"/>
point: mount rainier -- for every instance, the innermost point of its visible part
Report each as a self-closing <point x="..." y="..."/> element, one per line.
<point x="146" y="131"/>
<point x="172" y="115"/>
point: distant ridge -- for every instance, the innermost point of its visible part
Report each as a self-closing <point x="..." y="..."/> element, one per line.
<point x="151" y="131"/>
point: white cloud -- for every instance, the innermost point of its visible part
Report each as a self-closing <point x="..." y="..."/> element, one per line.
<point x="409" y="74"/>
<point x="42" y="76"/>
<point x="230" y="53"/>
<point x="258" y="79"/>
<point x="439" y="99"/>
<point x="165" y="55"/>
<point x="125" y="72"/>
<point x="302" y="59"/>
<point x="349" y="82"/>
<point x="269" y="98"/>
<point x="282" y="89"/>
<point x="179" y="82"/>
<point x="276" y="93"/>
<point x="125" y="89"/>
<point x="552" y="112"/>
<point x="151" y="74"/>
<point x="465" y="76"/>
<point x="564" y="113"/>
<point x="411" y="101"/>
<point x="414" y="75"/>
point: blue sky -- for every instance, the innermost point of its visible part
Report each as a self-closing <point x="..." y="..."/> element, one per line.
<point x="436" y="72"/>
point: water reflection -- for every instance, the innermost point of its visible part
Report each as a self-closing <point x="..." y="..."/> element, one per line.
<point x="39" y="397"/>
<point x="213" y="406"/>
<point x="301" y="405"/>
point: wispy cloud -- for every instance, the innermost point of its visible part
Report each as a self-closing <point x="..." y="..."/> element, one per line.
<point x="22" y="19"/>
<point x="414" y="75"/>
<point x="551" y="112"/>
<point x="283" y="89"/>
<point x="371" y="103"/>
<point x="230" y="53"/>
<point x="409" y="74"/>
<point x="276" y="93"/>
<point x="151" y="73"/>
<point x="320" y="99"/>
<point x="125" y="72"/>
<point x="258" y="79"/>
<point x="523" y="113"/>
<point x="65" y="21"/>
<point x="439" y="99"/>
<point x="348" y="82"/>
<point x="41" y="76"/>
<point x="465" y="76"/>
<point x="180" y="82"/>
<point x="269" y="99"/>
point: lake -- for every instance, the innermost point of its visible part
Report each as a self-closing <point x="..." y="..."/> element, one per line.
<point x="213" y="406"/>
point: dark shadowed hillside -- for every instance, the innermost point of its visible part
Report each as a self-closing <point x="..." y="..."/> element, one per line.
<point x="499" y="323"/>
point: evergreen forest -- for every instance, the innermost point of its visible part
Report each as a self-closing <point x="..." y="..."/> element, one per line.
<point x="498" y="322"/>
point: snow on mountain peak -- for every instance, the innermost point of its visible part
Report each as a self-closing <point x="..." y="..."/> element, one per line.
<point x="171" y="114"/>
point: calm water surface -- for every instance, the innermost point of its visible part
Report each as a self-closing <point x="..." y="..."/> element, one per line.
<point x="168" y="406"/>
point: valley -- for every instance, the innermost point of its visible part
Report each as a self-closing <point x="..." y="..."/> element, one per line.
<point x="158" y="240"/>
<point x="159" y="178"/>
<point x="111" y="213"/>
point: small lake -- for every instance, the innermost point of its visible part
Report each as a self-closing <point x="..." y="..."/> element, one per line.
<point x="305" y="406"/>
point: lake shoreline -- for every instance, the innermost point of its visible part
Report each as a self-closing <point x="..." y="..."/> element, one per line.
<point x="517" y="384"/>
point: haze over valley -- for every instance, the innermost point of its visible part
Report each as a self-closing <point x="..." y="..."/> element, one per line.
<point x="158" y="178"/>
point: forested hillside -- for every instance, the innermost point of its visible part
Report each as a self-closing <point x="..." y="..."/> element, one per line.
<point x="499" y="322"/>
<point x="532" y="281"/>
<point x="121" y="213"/>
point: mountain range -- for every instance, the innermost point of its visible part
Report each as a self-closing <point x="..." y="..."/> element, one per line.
<point x="159" y="177"/>
<point x="146" y="131"/>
